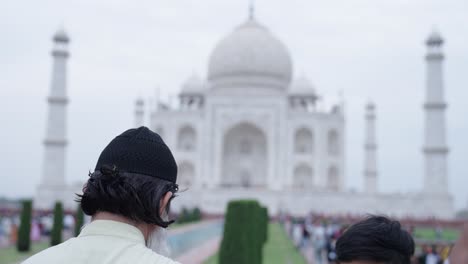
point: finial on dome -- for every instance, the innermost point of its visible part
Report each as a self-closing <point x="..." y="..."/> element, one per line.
<point x="61" y="35"/>
<point x="370" y="106"/>
<point x="434" y="39"/>
<point x="251" y="10"/>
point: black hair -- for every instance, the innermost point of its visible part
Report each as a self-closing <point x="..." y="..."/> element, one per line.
<point x="376" y="238"/>
<point x="134" y="196"/>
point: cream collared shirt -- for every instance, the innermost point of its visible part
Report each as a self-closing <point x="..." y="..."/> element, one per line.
<point x="104" y="242"/>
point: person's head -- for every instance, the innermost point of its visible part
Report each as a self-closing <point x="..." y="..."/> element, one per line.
<point x="375" y="240"/>
<point x="135" y="178"/>
<point x="434" y="249"/>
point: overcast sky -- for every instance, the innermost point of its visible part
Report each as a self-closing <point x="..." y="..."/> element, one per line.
<point x="369" y="49"/>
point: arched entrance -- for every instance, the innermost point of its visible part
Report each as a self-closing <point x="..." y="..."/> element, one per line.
<point x="244" y="162"/>
<point x="303" y="177"/>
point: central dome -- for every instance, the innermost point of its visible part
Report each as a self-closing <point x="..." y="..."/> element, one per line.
<point x="250" y="55"/>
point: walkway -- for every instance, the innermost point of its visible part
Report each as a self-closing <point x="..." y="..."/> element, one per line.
<point x="202" y="252"/>
<point x="199" y="254"/>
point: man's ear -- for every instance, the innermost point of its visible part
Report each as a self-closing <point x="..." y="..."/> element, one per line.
<point x="164" y="202"/>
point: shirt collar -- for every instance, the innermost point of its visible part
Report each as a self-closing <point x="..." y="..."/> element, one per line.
<point x="113" y="229"/>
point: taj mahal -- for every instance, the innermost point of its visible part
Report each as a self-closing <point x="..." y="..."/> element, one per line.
<point x="252" y="130"/>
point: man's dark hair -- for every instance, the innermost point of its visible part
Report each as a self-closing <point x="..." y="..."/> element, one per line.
<point x="135" y="196"/>
<point x="378" y="239"/>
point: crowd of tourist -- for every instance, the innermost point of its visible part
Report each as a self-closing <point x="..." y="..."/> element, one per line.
<point x="432" y="254"/>
<point x="318" y="234"/>
<point x="315" y="234"/>
<point x="41" y="225"/>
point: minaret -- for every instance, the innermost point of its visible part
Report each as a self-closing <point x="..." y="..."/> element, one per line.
<point x="53" y="175"/>
<point x="370" y="148"/>
<point x="251" y="10"/>
<point x="435" y="147"/>
<point x="139" y="112"/>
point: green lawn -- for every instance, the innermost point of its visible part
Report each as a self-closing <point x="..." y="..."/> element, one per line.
<point x="279" y="249"/>
<point x="10" y="255"/>
<point x="430" y="234"/>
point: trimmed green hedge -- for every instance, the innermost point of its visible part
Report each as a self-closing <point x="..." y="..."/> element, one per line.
<point x="24" y="240"/>
<point x="56" y="233"/>
<point x="244" y="235"/>
<point x="264" y="219"/>
<point x="79" y="220"/>
<point x="187" y="216"/>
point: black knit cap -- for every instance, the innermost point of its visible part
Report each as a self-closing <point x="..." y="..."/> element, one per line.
<point x="140" y="151"/>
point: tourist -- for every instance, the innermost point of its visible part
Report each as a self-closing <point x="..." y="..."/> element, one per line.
<point x="305" y="235"/>
<point x="319" y="241"/>
<point x="13" y="233"/>
<point x="424" y="251"/>
<point x="68" y="222"/>
<point x="331" y="249"/>
<point x="35" y="231"/>
<point x="375" y="239"/>
<point x="432" y="257"/>
<point x="297" y="234"/>
<point x="128" y="197"/>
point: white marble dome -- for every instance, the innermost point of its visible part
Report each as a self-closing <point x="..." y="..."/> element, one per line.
<point x="193" y="85"/>
<point x="302" y="86"/>
<point x="61" y="36"/>
<point x="250" y="56"/>
<point x="434" y="38"/>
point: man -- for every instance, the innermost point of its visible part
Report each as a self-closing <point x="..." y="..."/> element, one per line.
<point x="319" y="240"/>
<point x="128" y="197"/>
<point x="375" y="240"/>
<point x="433" y="257"/>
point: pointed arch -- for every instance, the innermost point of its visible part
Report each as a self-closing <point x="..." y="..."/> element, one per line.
<point x="244" y="162"/>
<point x="303" y="141"/>
<point x="303" y="177"/>
<point x="333" y="182"/>
<point x="186" y="139"/>
<point x="333" y="142"/>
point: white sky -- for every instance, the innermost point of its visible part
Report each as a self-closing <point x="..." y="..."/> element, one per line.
<point x="369" y="49"/>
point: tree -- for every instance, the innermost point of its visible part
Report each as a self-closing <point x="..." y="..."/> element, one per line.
<point x="56" y="233"/>
<point x="183" y="216"/>
<point x="79" y="220"/>
<point x="265" y="220"/>
<point x="24" y="240"/>
<point x="242" y="241"/>
<point x="197" y="216"/>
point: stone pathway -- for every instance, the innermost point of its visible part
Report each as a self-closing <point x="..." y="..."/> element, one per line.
<point x="308" y="253"/>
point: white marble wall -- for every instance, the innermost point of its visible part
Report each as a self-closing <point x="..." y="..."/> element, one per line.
<point x="269" y="113"/>
<point x="300" y="203"/>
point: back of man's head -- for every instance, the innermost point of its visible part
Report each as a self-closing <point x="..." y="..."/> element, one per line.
<point x="375" y="239"/>
<point x="133" y="174"/>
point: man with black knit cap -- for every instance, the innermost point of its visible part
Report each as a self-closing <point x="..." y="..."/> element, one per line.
<point x="375" y="240"/>
<point x="128" y="197"/>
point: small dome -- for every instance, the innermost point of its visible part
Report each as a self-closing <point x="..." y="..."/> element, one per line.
<point x="194" y="84"/>
<point x="61" y="36"/>
<point x="370" y="106"/>
<point x="434" y="39"/>
<point x="139" y="101"/>
<point x="302" y="86"/>
<point x="250" y="55"/>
